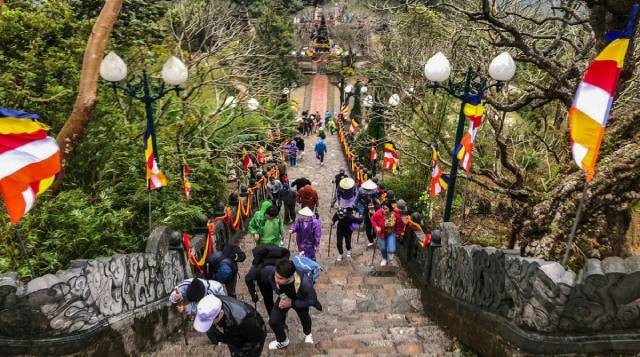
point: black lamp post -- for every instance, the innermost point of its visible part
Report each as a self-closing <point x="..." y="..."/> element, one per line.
<point x="174" y="73"/>
<point x="437" y="70"/>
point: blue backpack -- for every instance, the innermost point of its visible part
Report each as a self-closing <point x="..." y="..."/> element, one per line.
<point x="307" y="267"/>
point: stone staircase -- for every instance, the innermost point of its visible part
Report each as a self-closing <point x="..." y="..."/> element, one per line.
<point x="368" y="310"/>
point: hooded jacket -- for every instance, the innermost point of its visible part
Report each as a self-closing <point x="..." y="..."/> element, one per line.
<point x="308" y="236"/>
<point x="257" y="221"/>
<point x="307" y="196"/>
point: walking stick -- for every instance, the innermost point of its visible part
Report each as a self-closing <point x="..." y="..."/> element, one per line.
<point x="373" y="256"/>
<point x="329" y="246"/>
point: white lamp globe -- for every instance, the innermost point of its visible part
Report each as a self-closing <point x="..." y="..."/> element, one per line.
<point x="293" y="53"/>
<point x="394" y="100"/>
<point x="437" y="68"/>
<point x="368" y="101"/>
<point x="253" y="104"/>
<point x="174" y="72"/>
<point x="363" y="89"/>
<point x="348" y="88"/>
<point x="113" y="68"/>
<point x="502" y="68"/>
<point x="230" y="101"/>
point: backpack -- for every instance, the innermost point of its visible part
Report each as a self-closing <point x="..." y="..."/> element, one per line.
<point x="307" y="267"/>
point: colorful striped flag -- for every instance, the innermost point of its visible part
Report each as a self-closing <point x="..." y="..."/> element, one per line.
<point x="390" y="160"/>
<point x="29" y="159"/>
<point x="439" y="181"/>
<point x="591" y="106"/>
<point x="354" y="126"/>
<point x="345" y="110"/>
<point x="155" y="178"/>
<point x="474" y="111"/>
<point x="186" y="183"/>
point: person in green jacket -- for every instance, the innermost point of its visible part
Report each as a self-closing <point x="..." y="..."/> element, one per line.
<point x="272" y="229"/>
<point x="257" y="221"/>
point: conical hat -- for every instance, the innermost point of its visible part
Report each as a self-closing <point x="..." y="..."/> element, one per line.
<point x="347" y="183"/>
<point x="306" y="212"/>
<point x="369" y="185"/>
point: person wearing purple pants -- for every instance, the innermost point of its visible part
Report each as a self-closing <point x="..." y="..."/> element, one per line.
<point x="308" y="230"/>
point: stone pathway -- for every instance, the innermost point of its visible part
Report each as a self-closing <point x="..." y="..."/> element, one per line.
<point x="368" y="310"/>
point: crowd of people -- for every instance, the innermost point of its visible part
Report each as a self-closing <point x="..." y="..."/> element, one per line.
<point x="286" y="281"/>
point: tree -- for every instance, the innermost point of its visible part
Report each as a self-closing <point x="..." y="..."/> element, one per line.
<point x="524" y="157"/>
<point x="73" y="130"/>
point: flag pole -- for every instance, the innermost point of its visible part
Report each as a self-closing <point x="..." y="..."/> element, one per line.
<point x="583" y="199"/>
<point x="149" y="194"/>
<point x="23" y="248"/>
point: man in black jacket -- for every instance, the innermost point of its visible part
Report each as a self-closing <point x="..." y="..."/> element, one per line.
<point x="262" y="270"/>
<point x="288" y="297"/>
<point x="232" y="322"/>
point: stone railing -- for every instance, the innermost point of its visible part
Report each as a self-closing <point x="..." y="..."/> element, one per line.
<point x="97" y="306"/>
<point x="114" y="306"/>
<point x="500" y="303"/>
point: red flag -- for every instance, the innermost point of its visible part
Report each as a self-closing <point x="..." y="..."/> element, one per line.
<point x="246" y="160"/>
<point x="373" y="154"/>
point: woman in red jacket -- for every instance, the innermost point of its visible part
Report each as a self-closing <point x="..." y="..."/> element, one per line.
<point x="387" y="225"/>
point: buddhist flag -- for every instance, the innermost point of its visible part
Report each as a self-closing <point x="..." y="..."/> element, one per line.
<point x="390" y="160"/>
<point x="186" y="183"/>
<point x="354" y="126"/>
<point x="473" y="111"/>
<point x="246" y="160"/>
<point x="373" y="154"/>
<point x="439" y="181"/>
<point x="591" y="106"/>
<point x="345" y="110"/>
<point x="29" y="161"/>
<point x="261" y="158"/>
<point x="155" y="178"/>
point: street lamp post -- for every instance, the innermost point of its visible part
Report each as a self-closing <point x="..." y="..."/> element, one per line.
<point x="113" y="69"/>
<point x="437" y="69"/>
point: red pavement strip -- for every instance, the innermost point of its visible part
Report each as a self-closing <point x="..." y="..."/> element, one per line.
<point x="319" y="89"/>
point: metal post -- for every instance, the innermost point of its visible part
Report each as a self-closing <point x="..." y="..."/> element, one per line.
<point x="23" y="248"/>
<point x="148" y="108"/>
<point x="454" y="162"/>
<point x="567" y="249"/>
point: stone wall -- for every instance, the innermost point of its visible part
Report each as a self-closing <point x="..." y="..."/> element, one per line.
<point x="534" y="300"/>
<point x="95" y="300"/>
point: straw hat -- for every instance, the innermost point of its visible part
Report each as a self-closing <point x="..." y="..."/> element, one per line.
<point x="347" y="183"/>
<point x="307" y="212"/>
<point x="369" y="185"/>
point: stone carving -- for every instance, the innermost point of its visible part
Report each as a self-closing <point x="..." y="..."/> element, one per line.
<point x="537" y="295"/>
<point x="87" y="295"/>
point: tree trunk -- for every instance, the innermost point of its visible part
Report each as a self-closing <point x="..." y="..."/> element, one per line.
<point x="610" y="197"/>
<point x="73" y="129"/>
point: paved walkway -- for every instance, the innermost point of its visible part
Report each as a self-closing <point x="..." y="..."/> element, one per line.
<point x="368" y="309"/>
